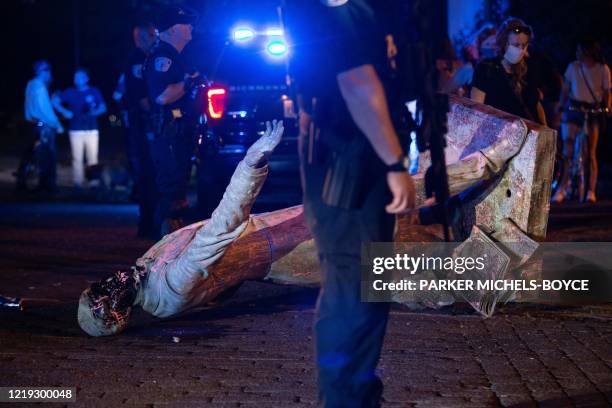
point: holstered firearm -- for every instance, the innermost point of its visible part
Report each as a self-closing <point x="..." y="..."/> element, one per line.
<point x="352" y="171"/>
<point x="343" y="186"/>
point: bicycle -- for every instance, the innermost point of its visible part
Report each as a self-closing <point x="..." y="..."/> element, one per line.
<point x="37" y="166"/>
<point x="574" y="176"/>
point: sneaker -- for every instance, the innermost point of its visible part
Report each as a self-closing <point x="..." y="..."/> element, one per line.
<point x="590" y="197"/>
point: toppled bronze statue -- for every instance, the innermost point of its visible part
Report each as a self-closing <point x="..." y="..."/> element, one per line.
<point x="506" y="161"/>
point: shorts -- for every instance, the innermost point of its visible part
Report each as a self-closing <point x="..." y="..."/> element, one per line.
<point x="578" y="117"/>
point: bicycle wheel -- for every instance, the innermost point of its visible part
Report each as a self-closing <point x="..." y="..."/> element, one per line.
<point x="31" y="168"/>
<point x="581" y="173"/>
<point x="559" y="172"/>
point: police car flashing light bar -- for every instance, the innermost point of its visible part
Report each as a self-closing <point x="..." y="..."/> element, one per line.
<point x="277" y="48"/>
<point x="243" y="34"/>
<point x="247" y="33"/>
<point x="274" y="32"/>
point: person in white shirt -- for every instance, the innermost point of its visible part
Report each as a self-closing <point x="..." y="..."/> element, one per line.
<point x="586" y="87"/>
<point x="81" y="105"/>
<point x="38" y="111"/>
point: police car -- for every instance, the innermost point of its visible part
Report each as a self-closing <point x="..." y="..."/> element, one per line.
<point x="248" y="71"/>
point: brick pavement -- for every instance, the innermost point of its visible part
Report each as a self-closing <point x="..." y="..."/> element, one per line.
<point x="256" y="349"/>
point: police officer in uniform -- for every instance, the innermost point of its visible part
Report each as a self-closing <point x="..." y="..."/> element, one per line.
<point x="132" y="92"/>
<point x="170" y="83"/>
<point x="355" y="178"/>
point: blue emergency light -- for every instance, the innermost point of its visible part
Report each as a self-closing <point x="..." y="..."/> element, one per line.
<point x="243" y="34"/>
<point x="274" y="32"/>
<point x="277" y="48"/>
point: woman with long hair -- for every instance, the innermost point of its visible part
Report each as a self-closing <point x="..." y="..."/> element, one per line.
<point x="586" y="88"/>
<point x="503" y="81"/>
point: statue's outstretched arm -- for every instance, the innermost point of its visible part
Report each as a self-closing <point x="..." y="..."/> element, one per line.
<point x="230" y="217"/>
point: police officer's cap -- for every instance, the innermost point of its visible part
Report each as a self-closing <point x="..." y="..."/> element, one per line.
<point x="170" y="16"/>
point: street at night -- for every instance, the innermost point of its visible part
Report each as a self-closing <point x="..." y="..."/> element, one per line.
<point x="255" y="349"/>
<point x="324" y="203"/>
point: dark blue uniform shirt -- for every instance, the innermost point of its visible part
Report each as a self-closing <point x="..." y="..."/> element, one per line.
<point x="165" y="66"/>
<point x="135" y="86"/>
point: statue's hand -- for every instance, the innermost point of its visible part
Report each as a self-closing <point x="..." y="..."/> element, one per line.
<point x="260" y="151"/>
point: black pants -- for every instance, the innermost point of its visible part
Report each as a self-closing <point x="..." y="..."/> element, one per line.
<point x="43" y="153"/>
<point x="349" y="333"/>
<point x="171" y="152"/>
<point x="143" y="172"/>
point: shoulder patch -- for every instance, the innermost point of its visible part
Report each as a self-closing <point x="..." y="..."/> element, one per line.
<point x="137" y="71"/>
<point x="162" y="64"/>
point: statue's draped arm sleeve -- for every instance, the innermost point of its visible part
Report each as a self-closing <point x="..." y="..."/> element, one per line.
<point x="227" y="222"/>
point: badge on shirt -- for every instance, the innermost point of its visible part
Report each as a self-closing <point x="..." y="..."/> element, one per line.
<point x="137" y="70"/>
<point x="162" y="64"/>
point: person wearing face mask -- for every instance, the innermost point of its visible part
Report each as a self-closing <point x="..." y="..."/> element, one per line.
<point x="482" y="47"/>
<point x="503" y="82"/>
<point x="586" y="87"/>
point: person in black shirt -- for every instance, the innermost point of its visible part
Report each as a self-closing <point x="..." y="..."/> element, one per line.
<point x="504" y="82"/>
<point x="169" y="85"/>
<point x="132" y="92"/>
<point x="347" y="139"/>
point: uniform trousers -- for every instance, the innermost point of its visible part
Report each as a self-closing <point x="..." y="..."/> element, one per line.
<point x="171" y="152"/>
<point x="143" y="172"/>
<point x="349" y="333"/>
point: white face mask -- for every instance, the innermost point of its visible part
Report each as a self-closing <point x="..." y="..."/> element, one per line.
<point x="514" y="54"/>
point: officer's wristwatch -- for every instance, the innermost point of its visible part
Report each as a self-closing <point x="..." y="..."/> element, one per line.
<point x="402" y="165"/>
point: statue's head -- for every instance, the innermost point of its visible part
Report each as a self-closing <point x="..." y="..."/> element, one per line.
<point x="105" y="307"/>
